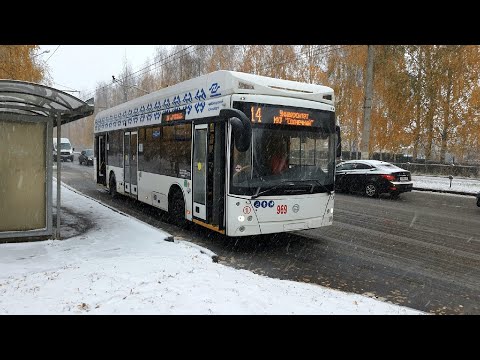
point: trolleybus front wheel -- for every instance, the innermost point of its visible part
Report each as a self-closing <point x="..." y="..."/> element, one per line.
<point x="176" y="209"/>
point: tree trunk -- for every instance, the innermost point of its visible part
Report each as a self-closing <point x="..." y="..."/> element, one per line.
<point x="367" y="104"/>
<point x="446" y="120"/>
<point x="418" y="112"/>
<point x="431" y="104"/>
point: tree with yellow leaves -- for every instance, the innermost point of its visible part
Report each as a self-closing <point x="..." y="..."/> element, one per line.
<point x="18" y="62"/>
<point x="346" y="71"/>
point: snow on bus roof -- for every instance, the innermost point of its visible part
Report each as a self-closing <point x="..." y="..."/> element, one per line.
<point x="204" y="96"/>
<point x="224" y="82"/>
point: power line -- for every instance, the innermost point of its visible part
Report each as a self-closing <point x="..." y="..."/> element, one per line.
<point x="68" y="87"/>
<point x="92" y="92"/>
<point x="139" y="73"/>
<point x="160" y="64"/>
<point x="185" y="49"/>
<point x="324" y="50"/>
<point x="297" y="58"/>
<point x="52" y="54"/>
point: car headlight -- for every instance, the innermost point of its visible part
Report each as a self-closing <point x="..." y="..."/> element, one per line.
<point x="91" y="159"/>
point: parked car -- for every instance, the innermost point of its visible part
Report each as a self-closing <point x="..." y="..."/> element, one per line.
<point x="372" y="178"/>
<point x="478" y="199"/>
<point x="86" y="157"/>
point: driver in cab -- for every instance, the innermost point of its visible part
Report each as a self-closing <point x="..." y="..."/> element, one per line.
<point x="279" y="158"/>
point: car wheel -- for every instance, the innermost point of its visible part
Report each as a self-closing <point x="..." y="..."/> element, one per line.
<point x="176" y="209"/>
<point x="112" y="186"/>
<point x="478" y="202"/>
<point x="371" y="190"/>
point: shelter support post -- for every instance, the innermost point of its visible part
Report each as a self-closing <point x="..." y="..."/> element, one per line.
<point x="59" y="166"/>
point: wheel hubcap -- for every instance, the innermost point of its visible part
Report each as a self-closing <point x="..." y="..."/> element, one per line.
<point x="370" y="190"/>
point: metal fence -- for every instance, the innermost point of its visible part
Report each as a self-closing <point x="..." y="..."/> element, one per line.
<point x="420" y="167"/>
<point x="440" y="169"/>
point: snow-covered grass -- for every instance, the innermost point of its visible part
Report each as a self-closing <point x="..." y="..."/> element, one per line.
<point x="443" y="183"/>
<point x="124" y="266"/>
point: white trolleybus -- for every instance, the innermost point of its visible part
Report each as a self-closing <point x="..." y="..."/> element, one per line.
<point x="237" y="153"/>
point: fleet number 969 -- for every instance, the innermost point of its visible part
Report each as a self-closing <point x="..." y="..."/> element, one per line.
<point x="282" y="209"/>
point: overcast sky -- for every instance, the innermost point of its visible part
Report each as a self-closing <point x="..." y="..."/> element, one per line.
<point x="81" y="67"/>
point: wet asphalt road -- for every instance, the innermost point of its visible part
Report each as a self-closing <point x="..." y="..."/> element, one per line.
<point x="420" y="251"/>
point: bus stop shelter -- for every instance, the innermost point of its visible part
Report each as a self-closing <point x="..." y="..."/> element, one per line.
<point x="28" y="113"/>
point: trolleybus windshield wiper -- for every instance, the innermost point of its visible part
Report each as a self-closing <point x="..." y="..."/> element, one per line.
<point x="291" y="183"/>
<point x="317" y="182"/>
<point x="284" y="182"/>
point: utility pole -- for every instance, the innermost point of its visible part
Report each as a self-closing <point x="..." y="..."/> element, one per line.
<point x="181" y="70"/>
<point x="125" y="94"/>
<point x="367" y="106"/>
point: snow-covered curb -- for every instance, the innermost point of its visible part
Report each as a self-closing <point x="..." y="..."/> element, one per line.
<point x="169" y="238"/>
<point x="200" y="248"/>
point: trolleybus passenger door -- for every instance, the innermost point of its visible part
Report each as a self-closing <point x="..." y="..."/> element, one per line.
<point x="126" y="162"/>
<point x="130" y="162"/>
<point x="133" y="163"/>
<point x="200" y="167"/>
<point x="101" y="161"/>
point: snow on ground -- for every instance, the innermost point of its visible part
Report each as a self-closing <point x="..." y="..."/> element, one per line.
<point x="124" y="266"/>
<point x="443" y="183"/>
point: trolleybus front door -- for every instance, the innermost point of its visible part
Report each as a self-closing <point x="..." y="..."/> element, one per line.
<point x="200" y="167"/>
<point x="130" y="164"/>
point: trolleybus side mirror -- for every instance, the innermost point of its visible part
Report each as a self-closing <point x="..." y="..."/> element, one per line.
<point x="241" y="127"/>
<point x="338" y="148"/>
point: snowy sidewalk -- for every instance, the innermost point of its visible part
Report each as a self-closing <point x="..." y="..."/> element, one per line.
<point x="124" y="266"/>
<point x="462" y="186"/>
